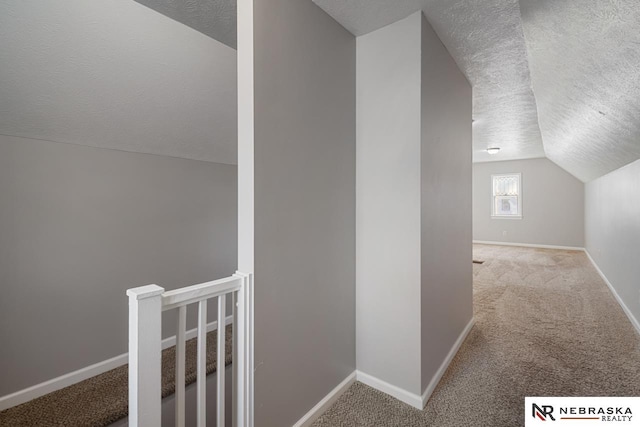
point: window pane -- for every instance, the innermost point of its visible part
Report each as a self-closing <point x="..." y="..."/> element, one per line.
<point x="506" y="205"/>
<point x="506" y="195"/>
<point x="506" y="185"/>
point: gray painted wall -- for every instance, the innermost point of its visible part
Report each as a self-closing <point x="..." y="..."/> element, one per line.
<point x="388" y="204"/>
<point x="552" y="205"/>
<point x="414" y="283"/>
<point x="80" y="225"/>
<point x="116" y="75"/>
<point x="304" y="208"/>
<point x="446" y="148"/>
<point x="612" y="230"/>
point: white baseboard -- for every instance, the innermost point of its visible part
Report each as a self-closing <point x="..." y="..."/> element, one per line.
<point x="530" y="245"/>
<point x="390" y="389"/>
<point x="412" y="399"/>
<point x="326" y="402"/>
<point x="626" y="310"/>
<point x="446" y="362"/>
<point x="38" y="390"/>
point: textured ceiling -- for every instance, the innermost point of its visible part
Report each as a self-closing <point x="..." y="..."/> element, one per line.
<point x="562" y="72"/>
<point x="585" y="67"/>
<point x="215" y="18"/>
<point x="486" y="40"/>
<point x="115" y="75"/>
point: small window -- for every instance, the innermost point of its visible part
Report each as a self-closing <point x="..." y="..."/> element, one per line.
<point x="507" y="196"/>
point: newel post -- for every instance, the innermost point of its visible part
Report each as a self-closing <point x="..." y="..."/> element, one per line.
<point x="145" y="356"/>
<point x="243" y="351"/>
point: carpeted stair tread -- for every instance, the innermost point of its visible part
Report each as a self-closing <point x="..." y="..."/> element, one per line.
<point x="103" y="399"/>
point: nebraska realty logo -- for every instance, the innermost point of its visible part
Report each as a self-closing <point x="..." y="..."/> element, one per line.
<point x="572" y="411"/>
<point x="543" y="413"/>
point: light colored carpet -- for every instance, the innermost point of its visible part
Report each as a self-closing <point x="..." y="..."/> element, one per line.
<point x="103" y="399"/>
<point x="546" y="325"/>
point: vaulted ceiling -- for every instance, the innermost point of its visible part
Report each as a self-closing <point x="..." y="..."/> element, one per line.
<point x="559" y="78"/>
<point x="554" y="78"/>
<point x="584" y="57"/>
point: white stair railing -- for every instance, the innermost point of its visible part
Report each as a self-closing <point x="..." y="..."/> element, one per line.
<point x="146" y="304"/>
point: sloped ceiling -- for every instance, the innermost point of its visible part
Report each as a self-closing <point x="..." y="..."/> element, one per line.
<point x="585" y="68"/>
<point x="116" y="75"/>
<point x="493" y="54"/>
<point x="554" y="78"/>
<point x="550" y="77"/>
<point x="485" y="38"/>
<point x="215" y="18"/>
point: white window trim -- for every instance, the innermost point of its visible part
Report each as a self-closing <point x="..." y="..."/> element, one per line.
<point x="493" y="215"/>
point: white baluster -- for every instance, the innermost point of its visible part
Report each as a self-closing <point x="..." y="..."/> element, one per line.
<point x="180" y="365"/>
<point x="202" y="364"/>
<point x="222" y="305"/>
<point x="234" y="358"/>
